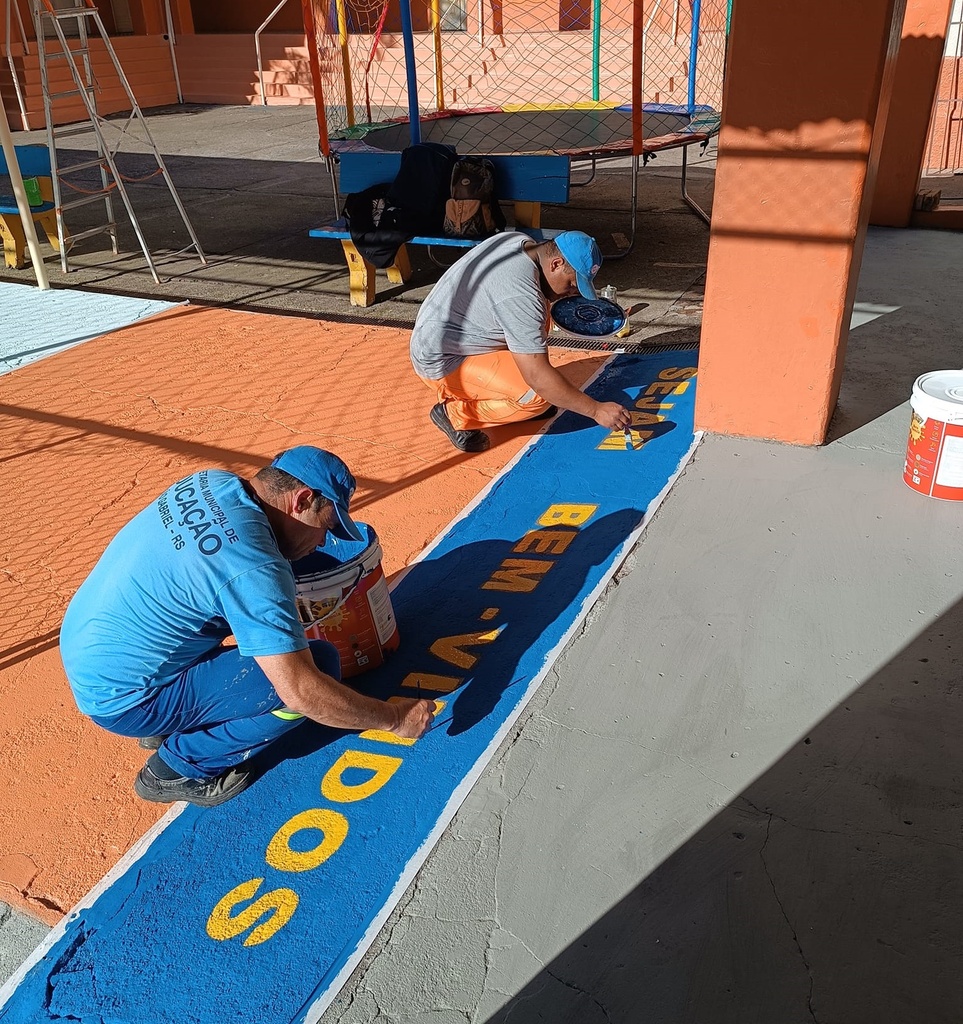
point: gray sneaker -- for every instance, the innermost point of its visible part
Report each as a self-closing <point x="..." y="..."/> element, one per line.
<point x="151" y="742"/>
<point x="203" y="792"/>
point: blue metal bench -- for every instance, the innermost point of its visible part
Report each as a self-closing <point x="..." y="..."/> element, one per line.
<point x="525" y="181"/>
<point x="34" y="162"/>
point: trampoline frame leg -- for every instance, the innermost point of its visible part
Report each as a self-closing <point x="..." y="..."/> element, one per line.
<point x="633" y="214"/>
<point x="335" y="194"/>
<point x="687" y="199"/>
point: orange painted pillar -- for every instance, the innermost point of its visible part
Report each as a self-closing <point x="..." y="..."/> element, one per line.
<point x="149" y="17"/>
<point x="904" y="141"/>
<point x="807" y="86"/>
<point x="182" y="17"/>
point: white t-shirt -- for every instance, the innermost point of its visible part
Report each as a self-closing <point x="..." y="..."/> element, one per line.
<point x="490" y="299"/>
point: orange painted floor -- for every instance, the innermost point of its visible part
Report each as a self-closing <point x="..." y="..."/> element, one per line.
<point x="90" y="436"/>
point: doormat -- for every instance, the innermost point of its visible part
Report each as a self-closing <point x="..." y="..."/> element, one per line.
<point x="260" y="909"/>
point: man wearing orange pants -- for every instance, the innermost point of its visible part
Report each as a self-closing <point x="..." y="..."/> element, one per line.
<point x="480" y="340"/>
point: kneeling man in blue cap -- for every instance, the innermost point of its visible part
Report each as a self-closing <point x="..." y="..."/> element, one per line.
<point x="480" y="340"/>
<point x="142" y="639"/>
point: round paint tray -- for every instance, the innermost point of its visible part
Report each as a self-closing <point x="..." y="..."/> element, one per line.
<point x="588" y="318"/>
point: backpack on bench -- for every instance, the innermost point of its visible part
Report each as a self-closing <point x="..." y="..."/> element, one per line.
<point x="383" y="217"/>
<point x="473" y="211"/>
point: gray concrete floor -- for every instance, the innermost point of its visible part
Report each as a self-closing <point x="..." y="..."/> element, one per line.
<point x="737" y="796"/>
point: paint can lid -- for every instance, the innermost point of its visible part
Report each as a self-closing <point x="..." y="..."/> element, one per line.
<point x="943" y="385"/>
<point x="588" y="318"/>
<point x="939" y="394"/>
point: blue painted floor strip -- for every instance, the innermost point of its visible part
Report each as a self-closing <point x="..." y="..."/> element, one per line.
<point x="259" y="910"/>
<point x="35" y="323"/>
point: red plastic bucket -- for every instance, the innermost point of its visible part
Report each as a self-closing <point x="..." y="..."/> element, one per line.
<point x="347" y="602"/>
<point x="934" y="452"/>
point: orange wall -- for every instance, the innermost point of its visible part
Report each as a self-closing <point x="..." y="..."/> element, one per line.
<point x="917" y="71"/>
<point x="243" y="16"/>
<point x="797" y="157"/>
<point x="146" y="61"/>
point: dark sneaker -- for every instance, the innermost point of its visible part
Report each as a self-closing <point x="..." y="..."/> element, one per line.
<point x="203" y="792"/>
<point x="463" y="440"/>
<point x="151" y="742"/>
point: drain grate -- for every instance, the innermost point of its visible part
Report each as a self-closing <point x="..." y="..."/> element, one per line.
<point x="614" y="345"/>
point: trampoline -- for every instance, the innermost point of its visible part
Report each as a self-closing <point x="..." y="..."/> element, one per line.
<point x="582" y="134"/>
<point x="614" y="78"/>
<point x="578" y="133"/>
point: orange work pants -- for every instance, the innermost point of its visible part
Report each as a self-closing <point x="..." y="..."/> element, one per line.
<point x="485" y="391"/>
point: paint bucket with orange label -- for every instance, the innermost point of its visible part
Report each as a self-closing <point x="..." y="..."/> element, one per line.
<point x="934" y="452"/>
<point x="342" y="597"/>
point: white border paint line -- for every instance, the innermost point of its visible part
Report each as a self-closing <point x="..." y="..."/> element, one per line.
<point x="418" y="858"/>
<point x="130" y="858"/>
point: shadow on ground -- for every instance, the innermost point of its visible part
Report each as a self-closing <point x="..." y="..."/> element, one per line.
<point x="847" y="850"/>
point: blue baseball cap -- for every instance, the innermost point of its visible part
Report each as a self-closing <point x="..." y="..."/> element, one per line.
<point x="583" y="256"/>
<point x="328" y="475"/>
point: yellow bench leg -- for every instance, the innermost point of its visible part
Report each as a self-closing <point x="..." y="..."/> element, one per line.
<point x="48" y="221"/>
<point x="14" y="241"/>
<point x="400" y="270"/>
<point x="361" y="274"/>
<point x="528" y="215"/>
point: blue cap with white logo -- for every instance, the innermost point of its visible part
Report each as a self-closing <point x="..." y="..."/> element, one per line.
<point x="328" y="475"/>
<point x="583" y="256"/>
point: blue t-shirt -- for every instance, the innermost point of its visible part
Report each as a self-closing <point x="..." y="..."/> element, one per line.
<point x="197" y="565"/>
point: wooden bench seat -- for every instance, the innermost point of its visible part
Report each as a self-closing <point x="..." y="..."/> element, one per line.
<point x="524" y="181"/>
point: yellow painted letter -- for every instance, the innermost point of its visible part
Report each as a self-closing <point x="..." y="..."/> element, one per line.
<point x="519" y="575"/>
<point x="279" y="854"/>
<point x="381" y="766"/>
<point x="450" y="648"/>
<point x="566" y="515"/>
<point x="280" y="903"/>
<point x="542" y="541"/>
<point x="427" y="681"/>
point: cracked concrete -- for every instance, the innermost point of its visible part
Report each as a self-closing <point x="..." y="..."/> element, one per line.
<point x="795" y="937"/>
<point x="19" y="935"/>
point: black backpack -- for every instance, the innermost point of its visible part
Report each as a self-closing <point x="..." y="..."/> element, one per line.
<point x="416" y="199"/>
<point x="382" y="218"/>
<point x="473" y="211"/>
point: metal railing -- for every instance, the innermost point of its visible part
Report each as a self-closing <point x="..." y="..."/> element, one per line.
<point x="172" y="42"/>
<point x="257" y="47"/>
<point x="13" y="68"/>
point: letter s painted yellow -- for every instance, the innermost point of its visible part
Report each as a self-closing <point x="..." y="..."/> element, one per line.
<point x="280" y="903"/>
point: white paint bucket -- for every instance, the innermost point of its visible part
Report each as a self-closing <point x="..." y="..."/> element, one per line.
<point x="342" y="597"/>
<point x="934" y="452"/>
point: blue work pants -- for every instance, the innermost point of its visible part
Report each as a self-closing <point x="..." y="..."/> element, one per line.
<point x="218" y="713"/>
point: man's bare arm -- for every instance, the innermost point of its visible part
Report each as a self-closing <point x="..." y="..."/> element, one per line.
<point x="547" y="382"/>
<point x="310" y="692"/>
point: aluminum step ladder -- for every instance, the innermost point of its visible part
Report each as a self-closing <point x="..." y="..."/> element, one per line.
<point x="82" y="17"/>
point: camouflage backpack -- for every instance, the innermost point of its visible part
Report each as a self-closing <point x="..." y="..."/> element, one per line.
<point x="473" y="211"/>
